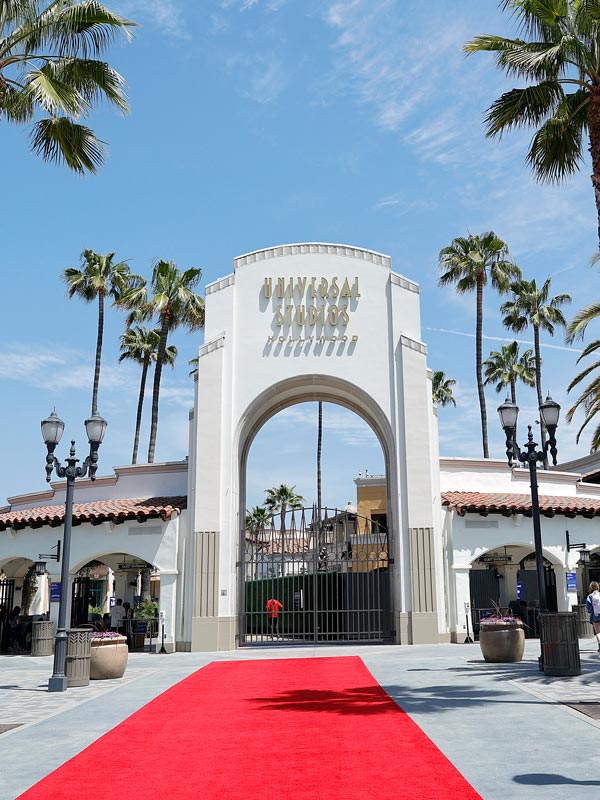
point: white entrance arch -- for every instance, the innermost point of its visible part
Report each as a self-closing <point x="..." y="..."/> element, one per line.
<point x="312" y="322"/>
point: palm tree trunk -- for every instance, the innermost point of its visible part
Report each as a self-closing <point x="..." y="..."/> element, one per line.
<point x="594" y="134"/>
<point x="538" y="382"/>
<point x="319" y="447"/>
<point x="479" y="367"/>
<point x="145" y="590"/>
<point x="138" y="419"/>
<point x="160" y="354"/>
<point x="98" y="352"/>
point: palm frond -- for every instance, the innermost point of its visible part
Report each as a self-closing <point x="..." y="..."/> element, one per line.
<point x="522" y="107"/>
<point x="556" y="150"/>
<point x="581" y="320"/>
<point x="60" y="140"/>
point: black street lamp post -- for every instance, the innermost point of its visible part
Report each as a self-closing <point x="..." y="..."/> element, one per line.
<point x="52" y="430"/>
<point x="549" y="413"/>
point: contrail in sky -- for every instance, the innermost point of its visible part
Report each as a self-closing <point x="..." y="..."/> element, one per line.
<point x="506" y="339"/>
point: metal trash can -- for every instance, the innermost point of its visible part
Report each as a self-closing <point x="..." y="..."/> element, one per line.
<point x="560" y="643"/>
<point x="77" y="668"/>
<point x="584" y="626"/>
<point x="42" y="638"/>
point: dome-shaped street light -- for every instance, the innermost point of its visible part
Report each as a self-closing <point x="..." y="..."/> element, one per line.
<point x="549" y="414"/>
<point x="52" y="430"/>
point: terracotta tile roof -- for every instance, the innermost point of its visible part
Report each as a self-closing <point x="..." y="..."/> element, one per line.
<point x="116" y="511"/>
<point x="486" y="502"/>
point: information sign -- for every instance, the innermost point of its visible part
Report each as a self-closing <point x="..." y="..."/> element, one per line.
<point x="571" y="581"/>
<point x="494" y="559"/>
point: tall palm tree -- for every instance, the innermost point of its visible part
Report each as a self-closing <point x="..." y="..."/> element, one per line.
<point x="589" y="399"/>
<point x="441" y="389"/>
<point x="140" y="344"/>
<point x="51" y="74"/>
<point x="534" y="306"/>
<point x="280" y="499"/>
<point x="170" y="300"/>
<point x="558" y="61"/>
<point x="468" y="263"/>
<point x="99" y="279"/>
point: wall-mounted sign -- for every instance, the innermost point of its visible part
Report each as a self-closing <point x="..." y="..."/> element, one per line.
<point x="55" y="592"/>
<point x="495" y="559"/>
<point x="135" y="565"/>
<point x="571" y="581"/>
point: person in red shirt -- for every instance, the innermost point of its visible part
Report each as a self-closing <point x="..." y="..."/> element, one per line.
<point x="273" y="608"/>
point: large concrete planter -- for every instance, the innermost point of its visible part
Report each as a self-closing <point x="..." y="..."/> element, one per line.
<point x="502" y="643"/>
<point x="108" y="658"/>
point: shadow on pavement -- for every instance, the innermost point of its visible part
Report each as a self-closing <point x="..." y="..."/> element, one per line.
<point x="550" y="779"/>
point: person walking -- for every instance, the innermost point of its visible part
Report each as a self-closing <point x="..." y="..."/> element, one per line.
<point x="273" y="607"/>
<point x="592" y="604"/>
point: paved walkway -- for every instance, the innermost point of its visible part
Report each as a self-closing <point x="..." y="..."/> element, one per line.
<point x="506" y="727"/>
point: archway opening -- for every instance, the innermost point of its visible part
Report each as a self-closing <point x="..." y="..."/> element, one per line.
<point x="506" y="577"/>
<point x="316" y="537"/>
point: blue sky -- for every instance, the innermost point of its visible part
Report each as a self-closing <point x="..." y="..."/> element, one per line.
<point x="260" y="122"/>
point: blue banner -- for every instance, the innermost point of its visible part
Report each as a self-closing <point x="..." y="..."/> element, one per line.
<point x="571" y="581"/>
<point x="55" y="592"/>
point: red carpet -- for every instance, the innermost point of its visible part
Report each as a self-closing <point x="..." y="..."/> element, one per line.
<point x="304" y="729"/>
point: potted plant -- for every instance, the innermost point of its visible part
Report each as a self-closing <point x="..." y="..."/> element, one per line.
<point x="109" y="655"/>
<point x="501" y="637"/>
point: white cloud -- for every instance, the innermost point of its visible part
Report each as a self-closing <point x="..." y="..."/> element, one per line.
<point x="164" y="14"/>
<point x="348" y="426"/>
<point x="543" y="345"/>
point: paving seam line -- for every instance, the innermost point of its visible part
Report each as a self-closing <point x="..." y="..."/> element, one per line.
<point x="541" y="696"/>
<point x="74" y="705"/>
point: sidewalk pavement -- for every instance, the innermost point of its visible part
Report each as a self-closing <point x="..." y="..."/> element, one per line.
<point x="507" y="727"/>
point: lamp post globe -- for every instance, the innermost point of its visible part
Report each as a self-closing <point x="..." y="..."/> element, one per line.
<point x="52" y="429"/>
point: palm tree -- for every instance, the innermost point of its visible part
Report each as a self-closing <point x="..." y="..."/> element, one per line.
<point x="558" y="60"/>
<point x="99" y="279"/>
<point x="507" y="366"/>
<point x="441" y="389"/>
<point x="257" y="519"/>
<point x="468" y="263"/>
<point x="171" y="300"/>
<point x="51" y="74"/>
<point x="589" y="400"/>
<point x="280" y="498"/>
<point x="140" y="344"/>
<point x="533" y="306"/>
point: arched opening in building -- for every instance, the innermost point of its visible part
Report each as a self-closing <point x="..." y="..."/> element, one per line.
<point x="506" y="577"/>
<point x="317" y="568"/>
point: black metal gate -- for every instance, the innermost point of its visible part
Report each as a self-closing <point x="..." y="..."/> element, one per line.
<point x="315" y="577"/>
<point x="80" y="600"/>
<point x="7" y="599"/>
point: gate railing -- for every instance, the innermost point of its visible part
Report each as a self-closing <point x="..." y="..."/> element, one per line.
<point x="315" y="576"/>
